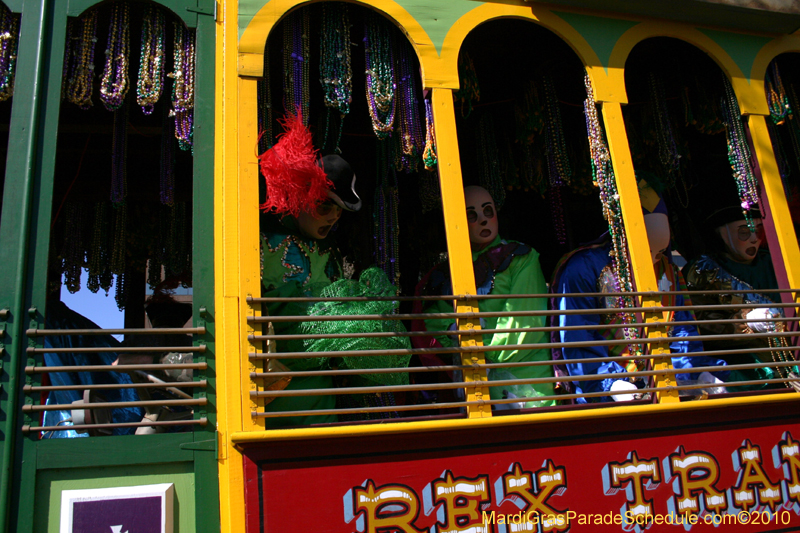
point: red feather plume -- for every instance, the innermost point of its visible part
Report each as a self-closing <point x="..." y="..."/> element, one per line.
<point x="295" y="181"/>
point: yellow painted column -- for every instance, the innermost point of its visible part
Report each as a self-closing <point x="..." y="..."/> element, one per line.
<point x="458" y="246"/>
<point x="773" y="186"/>
<point x="641" y="263"/>
<point x="228" y="271"/>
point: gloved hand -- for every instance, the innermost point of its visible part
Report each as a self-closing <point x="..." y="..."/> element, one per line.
<point x="622" y="385"/>
<point x="760" y="320"/>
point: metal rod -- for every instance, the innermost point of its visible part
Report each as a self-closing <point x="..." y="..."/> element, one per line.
<point x="533" y="346"/>
<point x="113" y="368"/>
<point x="112" y="386"/>
<point x="112" y="405"/>
<point x="498" y="314"/>
<point x="121" y="349"/>
<point x="442" y="333"/>
<point x="644" y="294"/>
<point x="128" y="331"/>
<point x="197" y="422"/>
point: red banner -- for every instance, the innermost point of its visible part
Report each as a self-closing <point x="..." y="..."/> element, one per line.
<point x="626" y="474"/>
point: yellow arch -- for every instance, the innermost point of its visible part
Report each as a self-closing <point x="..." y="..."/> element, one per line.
<point x="782" y="45"/>
<point x="544" y="17"/>
<point x="751" y="95"/>
<point x="254" y="37"/>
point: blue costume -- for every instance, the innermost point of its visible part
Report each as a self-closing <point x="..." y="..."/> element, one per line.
<point x="589" y="270"/>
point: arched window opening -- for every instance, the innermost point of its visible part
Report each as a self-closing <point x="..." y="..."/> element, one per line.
<point x="121" y="227"/>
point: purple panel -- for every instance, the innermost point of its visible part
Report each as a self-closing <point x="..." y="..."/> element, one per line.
<point x="140" y="515"/>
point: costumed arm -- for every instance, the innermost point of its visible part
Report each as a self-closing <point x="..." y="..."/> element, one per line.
<point x="580" y="274"/>
<point x="523" y="276"/>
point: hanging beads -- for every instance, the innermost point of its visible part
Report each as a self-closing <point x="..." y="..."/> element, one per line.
<point x="380" y="75"/>
<point x="183" y="57"/>
<point x="559" y="169"/>
<point x="469" y="93"/>
<point x="603" y="174"/>
<point x="739" y="152"/>
<point x="429" y="154"/>
<point x="409" y="128"/>
<point x="336" y="73"/>
<point x="296" y="63"/>
<point x="777" y="99"/>
<point x="167" y="168"/>
<point x="74" y="252"/>
<point x="151" y="64"/>
<point x="114" y="85"/>
<point x="9" y="38"/>
<point x="264" y="92"/>
<point x="489" y="160"/>
<point x="385" y="217"/>
<point x="80" y="58"/>
<point x="99" y="254"/>
<point x="119" y="155"/>
<point x="667" y="149"/>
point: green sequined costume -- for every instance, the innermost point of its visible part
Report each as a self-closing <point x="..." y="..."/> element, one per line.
<point x="295" y="266"/>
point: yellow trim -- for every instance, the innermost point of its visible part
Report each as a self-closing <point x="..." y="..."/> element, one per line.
<point x="539" y="15"/>
<point x="641" y="263"/>
<point x="782" y="45"/>
<point x="228" y="273"/>
<point x="458" y="246"/>
<point x="559" y="417"/>
<point x="751" y="96"/>
<point x="776" y="197"/>
<point x="250" y="242"/>
<point x="254" y="37"/>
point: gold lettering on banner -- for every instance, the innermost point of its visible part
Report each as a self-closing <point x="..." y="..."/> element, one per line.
<point x="461" y="497"/>
<point x="536" y="489"/>
<point x="635" y="476"/>
<point x="697" y="474"/>
<point x="787" y="452"/>
<point x="753" y="486"/>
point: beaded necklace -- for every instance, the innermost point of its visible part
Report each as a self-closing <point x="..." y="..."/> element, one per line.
<point x="151" y="63"/>
<point x="296" y="61"/>
<point x="73" y="253"/>
<point x="80" y="57"/>
<point x="489" y="160"/>
<point x="114" y="85"/>
<point x="409" y="128"/>
<point x="9" y="36"/>
<point x="469" y="92"/>
<point x="335" y="68"/>
<point x="604" y="179"/>
<point x="778" y="101"/>
<point x="739" y="152"/>
<point x="183" y="57"/>
<point x="667" y="149"/>
<point x="119" y="155"/>
<point x="385" y="217"/>
<point x="98" y="256"/>
<point x="264" y="108"/>
<point x="429" y="154"/>
<point x="119" y="247"/>
<point x="559" y="169"/>
<point x="167" y="166"/>
<point x="380" y="75"/>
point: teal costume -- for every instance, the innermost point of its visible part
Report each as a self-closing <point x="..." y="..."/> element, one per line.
<point x="293" y="266"/>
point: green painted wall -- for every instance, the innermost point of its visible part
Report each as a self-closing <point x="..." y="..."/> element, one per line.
<point x="50" y="484"/>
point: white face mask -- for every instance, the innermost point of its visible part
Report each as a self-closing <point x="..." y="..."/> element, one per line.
<point x="657" y="225"/>
<point x="319" y="223"/>
<point x="481" y="217"/>
<point x="742" y="244"/>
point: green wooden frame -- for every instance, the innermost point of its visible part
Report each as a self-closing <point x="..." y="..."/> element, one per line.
<point x="24" y="253"/>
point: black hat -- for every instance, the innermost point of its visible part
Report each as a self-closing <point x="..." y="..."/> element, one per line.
<point x="730" y="213"/>
<point x="343" y="191"/>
